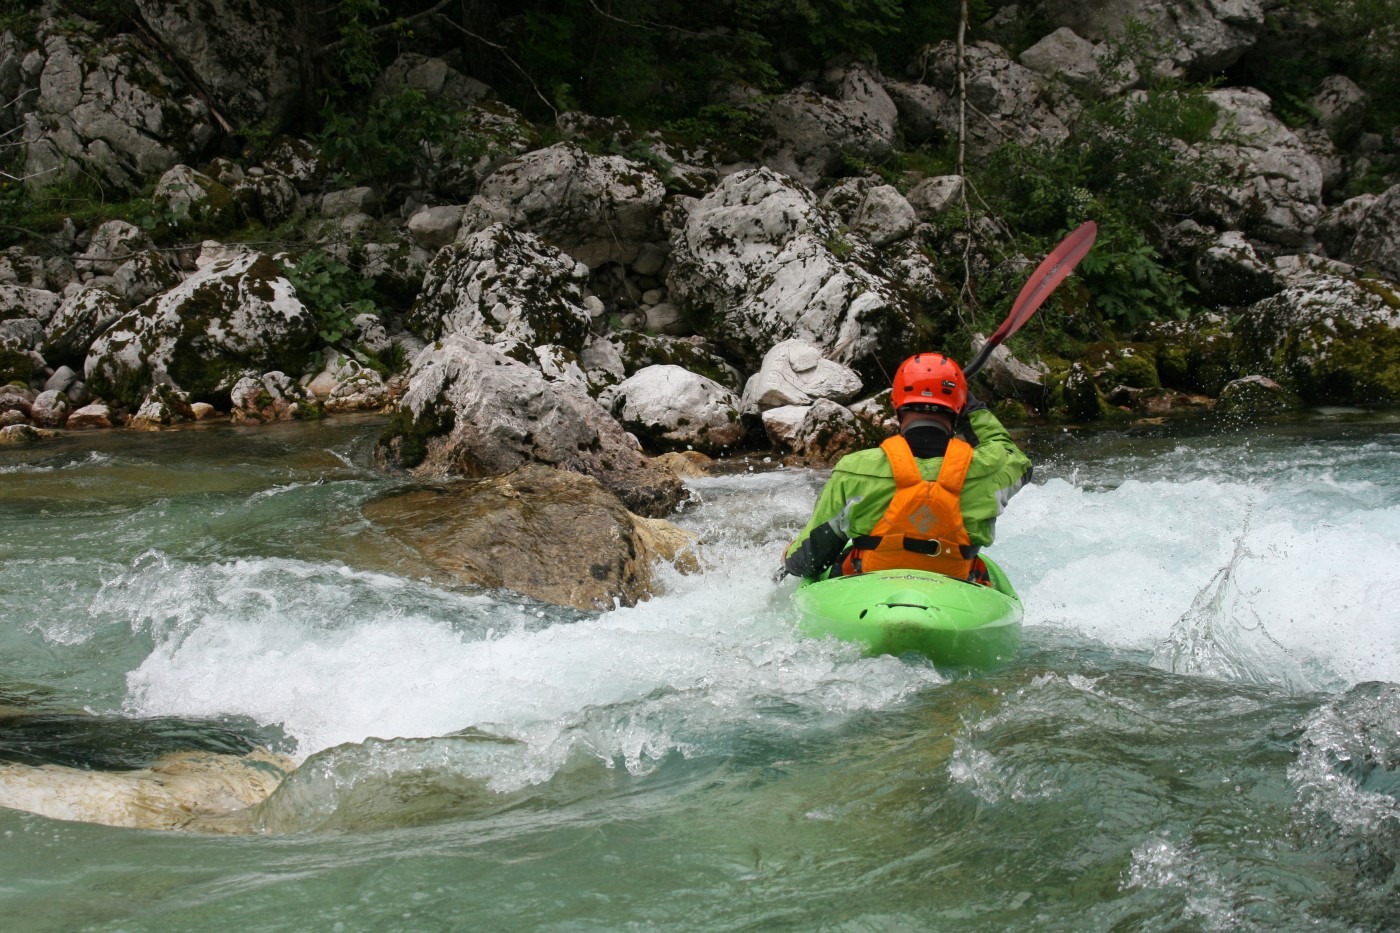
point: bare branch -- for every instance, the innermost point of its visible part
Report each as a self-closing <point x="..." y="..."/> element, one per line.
<point x="382" y="28"/>
<point x="506" y="55"/>
<point x="642" y="24"/>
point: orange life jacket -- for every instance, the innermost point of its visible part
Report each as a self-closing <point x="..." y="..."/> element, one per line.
<point x="923" y="527"/>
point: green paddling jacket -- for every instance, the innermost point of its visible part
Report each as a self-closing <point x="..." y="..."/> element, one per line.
<point x="998" y="470"/>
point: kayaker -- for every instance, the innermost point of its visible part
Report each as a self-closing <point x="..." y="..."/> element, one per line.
<point x="951" y="491"/>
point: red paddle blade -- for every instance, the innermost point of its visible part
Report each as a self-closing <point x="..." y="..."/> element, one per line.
<point x="1053" y="270"/>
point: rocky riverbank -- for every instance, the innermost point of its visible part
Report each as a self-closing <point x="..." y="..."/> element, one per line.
<point x="586" y="296"/>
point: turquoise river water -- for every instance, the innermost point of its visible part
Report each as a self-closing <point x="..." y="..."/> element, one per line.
<point x="1201" y="731"/>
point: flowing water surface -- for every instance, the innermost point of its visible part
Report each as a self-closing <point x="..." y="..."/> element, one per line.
<point x="1201" y="732"/>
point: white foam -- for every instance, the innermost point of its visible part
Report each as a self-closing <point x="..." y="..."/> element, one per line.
<point x="629" y="686"/>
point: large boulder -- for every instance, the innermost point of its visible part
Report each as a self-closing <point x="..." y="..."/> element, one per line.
<point x="756" y="262"/>
<point x="17" y="301"/>
<point x="1273" y="191"/>
<point x="82" y="316"/>
<point x="177" y="791"/>
<point x="597" y="209"/>
<point x="1066" y="56"/>
<point x="470" y="410"/>
<point x="812" y="134"/>
<point x="236" y="314"/>
<point x="1328" y="339"/>
<point x="1200" y="39"/>
<point x="795" y="373"/>
<point x="112" y="244"/>
<point x="1228" y="271"/>
<point x="247" y="54"/>
<point x="1008" y="102"/>
<point x="609" y="358"/>
<point x="501" y="285"/>
<point x="819" y="434"/>
<point x="876" y="211"/>
<point x="1365" y="230"/>
<point x="114" y="110"/>
<point x="671" y="408"/>
<point x="553" y="535"/>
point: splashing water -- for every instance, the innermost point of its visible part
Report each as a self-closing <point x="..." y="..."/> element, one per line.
<point x="1201" y="730"/>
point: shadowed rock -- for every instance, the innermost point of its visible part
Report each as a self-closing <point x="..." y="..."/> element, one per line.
<point x="553" y="535"/>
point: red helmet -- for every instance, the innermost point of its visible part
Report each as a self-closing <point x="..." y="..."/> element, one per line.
<point x="930" y="379"/>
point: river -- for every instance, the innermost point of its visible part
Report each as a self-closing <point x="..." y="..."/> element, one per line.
<point x="1201" y="731"/>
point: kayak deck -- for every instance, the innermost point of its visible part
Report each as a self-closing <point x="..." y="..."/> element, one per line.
<point x="953" y="623"/>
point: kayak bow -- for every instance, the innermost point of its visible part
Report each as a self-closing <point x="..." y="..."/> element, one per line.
<point x="948" y="621"/>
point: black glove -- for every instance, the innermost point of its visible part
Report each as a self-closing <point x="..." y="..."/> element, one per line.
<point x="824" y="545"/>
<point x="965" y="423"/>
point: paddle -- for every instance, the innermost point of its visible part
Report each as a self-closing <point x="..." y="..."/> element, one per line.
<point x="1053" y="270"/>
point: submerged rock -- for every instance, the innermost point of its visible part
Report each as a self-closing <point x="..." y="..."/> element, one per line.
<point x="171" y="794"/>
<point x="554" y="535"/>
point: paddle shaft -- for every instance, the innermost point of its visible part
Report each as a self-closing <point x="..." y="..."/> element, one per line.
<point x="1053" y="270"/>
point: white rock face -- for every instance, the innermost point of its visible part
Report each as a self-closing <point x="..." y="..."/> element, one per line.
<point x="505" y="414"/>
<point x="598" y="209"/>
<point x="82" y="316"/>
<point x="1066" y="56"/>
<point x="1327" y="338"/>
<point x="38" y="304"/>
<point x="1276" y="194"/>
<point x="1366" y="231"/>
<point x="434" y="227"/>
<point x="238" y="310"/>
<point x="878" y="212"/>
<point x="763" y="263"/>
<point x="50" y="409"/>
<point x="244" y="51"/>
<point x="1200" y="38"/>
<point x="112" y="244"/>
<point x="501" y="285"/>
<point x="812" y="132"/>
<point x="795" y="373"/>
<point x="820" y="433"/>
<point x="677" y="408"/>
<point x="144" y="276"/>
<point x="1012" y="103"/>
<point x="112" y="110"/>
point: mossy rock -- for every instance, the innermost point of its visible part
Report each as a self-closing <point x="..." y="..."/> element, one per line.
<point x="1123" y="364"/>
<point x="1075" y="395"/>
<point x="16" y="366"/>
<point x="1331" y="341"/>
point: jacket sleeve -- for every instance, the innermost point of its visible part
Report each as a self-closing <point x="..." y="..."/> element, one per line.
<point x="999" y="469"/>
<point x="815" y="548"/>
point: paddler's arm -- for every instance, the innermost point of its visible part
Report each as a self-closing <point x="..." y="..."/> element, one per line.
<point x="826" y="534"/>
<point x="999" y="469"/>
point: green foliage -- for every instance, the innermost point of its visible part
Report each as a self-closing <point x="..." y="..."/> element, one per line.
<point x="1356" y="38"/>
<point x="355" y="58"/>
<point x="333" y="292"/>
<point x="1124" y="166"/>
<point x="838" y="245"/>
<point x="398" y="135"/>
<point x="19" y="17"/>
<point x="1129" y="281"/>
<point x="737" y="133"/>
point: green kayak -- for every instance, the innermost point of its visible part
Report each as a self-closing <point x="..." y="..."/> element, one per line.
<point x="954" y="624"/>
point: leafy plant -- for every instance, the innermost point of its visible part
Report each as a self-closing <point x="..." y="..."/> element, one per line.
<point x="1129" y="281"/>
<point x="400" y="135"/>
<point x="333" y="292"/>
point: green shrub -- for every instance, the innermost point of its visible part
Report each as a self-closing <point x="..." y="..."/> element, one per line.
<point x="333" y="292"/>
